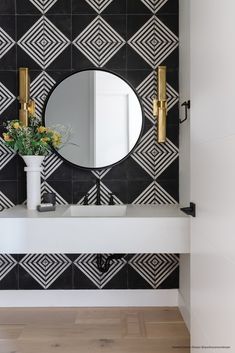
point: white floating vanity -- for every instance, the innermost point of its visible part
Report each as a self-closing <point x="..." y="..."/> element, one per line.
<point x="95" y="229"/>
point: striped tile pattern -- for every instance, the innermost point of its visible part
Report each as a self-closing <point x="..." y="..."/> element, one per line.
<point x="45" y="268"/>
<point x="99" y="42"/>
<point x="154" y="42"/>
<point x="154" y="268"/>
<point x="7" y="263"/>
<point x="6" y="42"/>
<point x="99" y="5"/>
<point x="43" y="5"/>
<point x="6" y="98"/>
<point x="44" y="42"/>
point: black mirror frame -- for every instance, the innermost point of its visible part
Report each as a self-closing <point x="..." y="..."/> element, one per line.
<point x="142" y="125"/>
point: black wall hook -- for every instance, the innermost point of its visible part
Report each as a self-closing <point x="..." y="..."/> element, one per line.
<point x="187" y="106"/>
<point x="191" y="210"/>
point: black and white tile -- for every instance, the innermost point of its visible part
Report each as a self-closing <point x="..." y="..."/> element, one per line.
<point x="53" y="38"/>
<point x="79" y="271"/>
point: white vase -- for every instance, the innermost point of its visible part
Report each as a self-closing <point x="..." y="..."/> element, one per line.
<point x="33" y="169"/>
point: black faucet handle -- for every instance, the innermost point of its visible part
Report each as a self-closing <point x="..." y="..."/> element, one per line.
<point x="86" y="199"/>
<point x="111" y="199"/>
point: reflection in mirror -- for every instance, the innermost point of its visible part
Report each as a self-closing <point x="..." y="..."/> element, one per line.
<point x="104" y="114"/>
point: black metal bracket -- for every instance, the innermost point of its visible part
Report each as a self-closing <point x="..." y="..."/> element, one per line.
<point x="103" y="265"/>
<point x="187" y="106"/>
<point x="191" y="210"/>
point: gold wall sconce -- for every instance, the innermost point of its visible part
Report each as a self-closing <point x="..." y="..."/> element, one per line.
<point x="27" y="105"/>
<point x="160" y="104"/>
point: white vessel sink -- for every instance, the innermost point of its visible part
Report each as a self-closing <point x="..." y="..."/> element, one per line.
<point x="96" y="211"/>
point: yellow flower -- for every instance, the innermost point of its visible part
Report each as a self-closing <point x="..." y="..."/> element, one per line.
<point x="42" y="129"/>
<point x="16" y="125"/>
<point x="7" y="137"/>
<point x="56" y="139"/>
<point x="45" y="139"/>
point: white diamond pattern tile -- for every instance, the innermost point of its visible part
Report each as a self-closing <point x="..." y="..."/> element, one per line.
<point x="154" y="194"/>
<point x="148" y="89"/>
<point x="5" y="202"/>
<point x="99" y="5"/>
<point x="6" y="154"/>
<point x="154" y="268"/>
<point x="154" y="42"/>
<point x="6" y="42"/>
<point x="39" y="90"/>
<point x="7" y="263"/>
<point x="44" y="42"/>
<point x="154" y="157"/>
<point x="43" y="5"/>
<point x="99" y="42"/>
<point x="6" y="98"/>
<point x="45" y="268"/>
<point x="88" y="265"/>
<point x="50" y="164"/>
<point x="154" y="5"/>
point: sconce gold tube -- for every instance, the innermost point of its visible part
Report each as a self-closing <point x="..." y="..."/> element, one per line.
<point x="27" y="106"/>
<point x="160" y="104"/>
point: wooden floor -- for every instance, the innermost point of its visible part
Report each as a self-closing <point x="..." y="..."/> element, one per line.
<point x="93" y="330"/>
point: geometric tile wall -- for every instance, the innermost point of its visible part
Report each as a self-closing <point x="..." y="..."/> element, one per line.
<point x="79" y="271"/>
<point x="57" y="37"/>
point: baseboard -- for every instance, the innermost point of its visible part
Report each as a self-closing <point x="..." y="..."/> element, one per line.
<point x="88" y="298"/>
<point x="185" y="311"/>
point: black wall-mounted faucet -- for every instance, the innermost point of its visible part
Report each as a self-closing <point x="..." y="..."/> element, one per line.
<point x="98" y="198"/>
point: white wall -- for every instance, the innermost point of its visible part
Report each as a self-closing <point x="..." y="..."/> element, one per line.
<point x="213" y="173"/>
<point x="184" y="170"/>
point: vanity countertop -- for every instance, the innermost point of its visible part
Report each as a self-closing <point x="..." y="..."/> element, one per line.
<point x="142" y="229"/>
<point x="132" y="211"/>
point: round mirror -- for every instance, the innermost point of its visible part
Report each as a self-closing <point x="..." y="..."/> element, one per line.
<point x="103" y="114"/>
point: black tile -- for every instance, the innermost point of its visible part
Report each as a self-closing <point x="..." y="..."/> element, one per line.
<point x="26" y="281"/>
<point x="80" y="189"/>
<point x="172" y="281"/>
<point x="172" y="22"/>
<point x="137" y="7"/>
<point x="170" y="7"/>
<point x="118" y="61"/>
<point x="82" y="7"/>
<point x="8" y="60"/>
<point x="119" y="281"/>
<point x="10" y="280"/>
<point x="83" y="175"/>
<point x="26" y="7"/>
<point x="63" y="188"/>
<point x="63" y="172"/>
<point x="135" y="22"/>
<point x="64" y="281"/>
<point x="171" y="172"/>
<point x="115" y="7"/>
<point x="81" y="281"/>
<point x="79" y="23"/>
<point x="135" y="188"/>
<point x="9" y="189"/>
<point x="136" y="281"/>
<point x="171" y="186"/>
<point x="61" y="7"/>
<point x="118" y="23"/>
<point x="21" y="191"/>
<point x="135" y="61"/>
<point x="136" y="77"/>
<point x="118" y="188"/>
<point x="7" y="6"/>
<point x="9" y="171"/>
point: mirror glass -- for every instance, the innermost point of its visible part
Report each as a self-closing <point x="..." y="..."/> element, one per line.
<point x="103" y="114"/>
